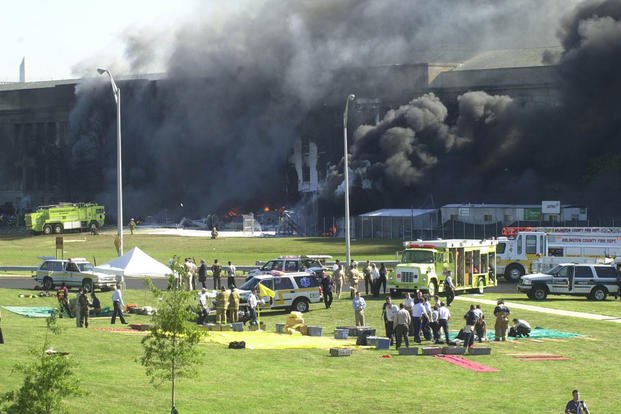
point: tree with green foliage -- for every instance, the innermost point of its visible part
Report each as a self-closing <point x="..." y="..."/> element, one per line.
<point x="48" y="380"/>
<point x="170" y="347"/>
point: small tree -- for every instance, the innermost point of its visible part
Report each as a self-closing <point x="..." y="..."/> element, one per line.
<point x="170" y="347"/>
<point x="48" y="379"/>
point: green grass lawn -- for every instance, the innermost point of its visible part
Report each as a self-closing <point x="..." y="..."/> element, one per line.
<point x="25" y="250"/>
<point x="308" y="380"/>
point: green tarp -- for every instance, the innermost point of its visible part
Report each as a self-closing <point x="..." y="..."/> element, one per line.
<point x="31" y="311"/>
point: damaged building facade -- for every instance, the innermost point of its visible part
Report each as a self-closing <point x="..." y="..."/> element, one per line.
<point x="41" y="164"/>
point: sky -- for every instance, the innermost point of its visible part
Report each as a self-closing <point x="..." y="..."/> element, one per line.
<point x="62" y="38"/>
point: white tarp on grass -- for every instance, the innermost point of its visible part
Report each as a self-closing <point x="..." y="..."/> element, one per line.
<point x="136" y="263"/>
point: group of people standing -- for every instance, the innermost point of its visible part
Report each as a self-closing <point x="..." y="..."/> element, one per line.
<point x="84" y="306"/>
<point x="415" y="317"/>
<point x="418" y="318"/>
<point x="374" y="279"/>
<point x="216" y="272"/>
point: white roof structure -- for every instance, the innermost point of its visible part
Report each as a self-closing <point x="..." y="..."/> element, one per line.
<point x="398" y="212"/>
<point x="136" y="263"/>
<point x="449" y="243"/>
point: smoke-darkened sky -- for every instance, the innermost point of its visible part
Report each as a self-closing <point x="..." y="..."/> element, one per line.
<point x="242" y="85"/>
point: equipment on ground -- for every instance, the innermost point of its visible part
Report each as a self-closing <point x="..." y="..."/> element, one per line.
<point x="526" y="246"/>
<point x="59" y="218"/>
<point x="424" y="265"/>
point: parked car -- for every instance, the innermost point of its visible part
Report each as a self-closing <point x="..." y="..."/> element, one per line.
<point x="313" y="264"/>
<point x="291" y="290"/>
<point x="595" y="281"/>
<point x="74" y="272"/>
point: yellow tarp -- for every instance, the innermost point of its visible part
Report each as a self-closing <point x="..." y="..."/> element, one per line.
<point x="270" y="340"/>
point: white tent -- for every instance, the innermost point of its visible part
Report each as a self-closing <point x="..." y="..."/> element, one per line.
<point x="136" y="263"/>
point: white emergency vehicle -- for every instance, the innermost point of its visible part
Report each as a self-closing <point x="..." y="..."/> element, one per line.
<point x="521" y="247"/>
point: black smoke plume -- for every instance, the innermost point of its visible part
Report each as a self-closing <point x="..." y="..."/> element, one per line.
<point x="216" y="131"/>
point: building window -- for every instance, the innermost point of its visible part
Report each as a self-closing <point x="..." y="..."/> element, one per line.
<point x="487" y="218"/>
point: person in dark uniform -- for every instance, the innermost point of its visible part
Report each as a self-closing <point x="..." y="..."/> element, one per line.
<point x="326" y="287"/>
<point x="202" y="274"/>
<point x="382" y="278"/>
<point x="216" y="269"/>
<point x="576" y="405"/>
<point x="1" y="337"/>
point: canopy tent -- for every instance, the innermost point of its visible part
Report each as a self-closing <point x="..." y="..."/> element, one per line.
<point x="136" y="263"/>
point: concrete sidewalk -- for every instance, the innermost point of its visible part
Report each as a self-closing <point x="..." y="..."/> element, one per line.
<point x="513" y="305"/>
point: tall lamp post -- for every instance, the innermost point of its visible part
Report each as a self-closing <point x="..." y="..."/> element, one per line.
<point x="350" y="98"/>
<point x="119" y="177"/>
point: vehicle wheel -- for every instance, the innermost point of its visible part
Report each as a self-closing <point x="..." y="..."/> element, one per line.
<point x="432" y="288"/>
<point x="300" y="305"/>
<point x="513" y="273"/>
<point x="539" y="293"/>
<point x="48" y="283"/>
<point x="47" y="229"/>
<point x="599" y="293"/>
<point x="58" y="228"/>
<point x="481" y="286"/>
<point x="87" y="285"/>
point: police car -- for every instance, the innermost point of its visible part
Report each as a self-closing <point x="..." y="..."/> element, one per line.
<point x="295" y="291"/>
<point x="595" y="281"/>
<point x="313" y="264"/>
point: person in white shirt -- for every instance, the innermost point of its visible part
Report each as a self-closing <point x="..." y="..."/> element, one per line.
<point x="252" y="306"/>
<point x="374" y="280"/>
<point x="443" y="317"/>
<point x="434" y="324"/>
<point x="230" y="281"/>
<point x="389" y="311"/>
<point x="418" y="313"/>
<point x="118" y="305"/>
<point x="408" y="304"/>
<point x="202" y="303"/>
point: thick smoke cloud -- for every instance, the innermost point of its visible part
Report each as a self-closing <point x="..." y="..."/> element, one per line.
<point x="506" y="151"/>
<point x="243" y="84"/>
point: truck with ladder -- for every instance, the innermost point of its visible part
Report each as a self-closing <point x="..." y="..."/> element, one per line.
<point x="62" y="217"/>
<point x="472" y="264"/>
<point x="520" y="249"/>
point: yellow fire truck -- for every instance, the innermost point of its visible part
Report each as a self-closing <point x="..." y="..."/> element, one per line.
<point x="62" y="217"/>
<point x="472" y="264"/>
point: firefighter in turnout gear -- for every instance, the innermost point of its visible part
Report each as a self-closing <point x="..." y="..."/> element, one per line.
<point x="222" y="304"/>
<point x="234" y="305"/>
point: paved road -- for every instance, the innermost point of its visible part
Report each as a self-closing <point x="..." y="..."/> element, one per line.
<point x="26" y="282"/>
<point x="513" y="305"/>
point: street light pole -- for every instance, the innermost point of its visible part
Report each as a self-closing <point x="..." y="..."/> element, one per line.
<point x="350" y="98"/>
<point x="119" y="170"/>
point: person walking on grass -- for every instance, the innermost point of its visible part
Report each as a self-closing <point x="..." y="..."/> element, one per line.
<point x="117" y="305"/>
<point x="359" y="306"/>
<point x="402" y="325"/>
<point x="501" y="312"/>
<point x="576" y="405"/>
<point x="83" y="304"/>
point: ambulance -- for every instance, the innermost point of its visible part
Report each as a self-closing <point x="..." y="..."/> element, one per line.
<point x="523" y="250"/>
<point x="472" y="264"/>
